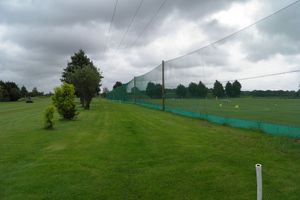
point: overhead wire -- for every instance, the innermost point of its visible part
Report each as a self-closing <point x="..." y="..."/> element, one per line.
<point x="147" y="25"/>
<point x="130" y="24"/>
<point x="111" y="22"/>
<point x="241" y="30"/>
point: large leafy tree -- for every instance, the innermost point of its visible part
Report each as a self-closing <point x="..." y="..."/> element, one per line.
<point x="228" y="89"/>
<point x="13" y="90"/>
<point x="202" y="90"/>
<point x="86" y="80"/>
<point x="154" y="90"/>
<point x="24" y="91"/>
<point x="4" y="95"/>
<point x="117" y="84"/>
<point x="181" y="91"/>
<point x="218" y="89"/>
<point x="79" y="61"/>
<point x="236" y="89"/>
<point x="193" y="89"/>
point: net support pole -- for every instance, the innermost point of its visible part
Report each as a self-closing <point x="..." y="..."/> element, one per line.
<point x="163" y="85"/>
<point x="134" y="89"/>
<point x="259" y="181"/>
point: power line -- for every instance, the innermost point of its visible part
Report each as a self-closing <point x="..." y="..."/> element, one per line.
<point x="148" y="24"/>
<point x="111" y="20"/>
<point x="261" y="76"/>
<point x="130" y="24"/>
<point x="234" y="33"/>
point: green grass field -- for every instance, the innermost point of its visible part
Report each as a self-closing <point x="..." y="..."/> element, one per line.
<point x="272" y="110"/>
<point x="120" y="151"/>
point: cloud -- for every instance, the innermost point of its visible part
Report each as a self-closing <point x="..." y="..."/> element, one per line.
<point x="37" y="38"/>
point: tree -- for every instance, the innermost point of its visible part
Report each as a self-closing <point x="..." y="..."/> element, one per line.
<point x="34" y="92"/>
<point x="4" y="95"/>
<point x="193" y="89"/>
<point x="298" y="93"/>
<point x="24" y="91"/>
<point x="218" y="89"/>
<point x="228" y="89"/>
<point x="181" y="91"/>
<point x="202" y="90"/>
<point x="13" y="90"/>
<point x="236" y="89"/>
<point x="117" y="84"/>
<point x="86" y="80"/>
<point x="154" y="90"/>
<point x="64" y="101"/>
<point x="79" y="61"/>
<point x="105" y="92"/>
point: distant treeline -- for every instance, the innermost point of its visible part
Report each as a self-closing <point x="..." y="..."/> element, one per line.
<point x="194" y="90"/>
<point x="272" y="93"/>
<point x="9" y="91"/>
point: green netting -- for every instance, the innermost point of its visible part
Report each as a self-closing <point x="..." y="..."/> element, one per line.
<point x="248" y="80"/>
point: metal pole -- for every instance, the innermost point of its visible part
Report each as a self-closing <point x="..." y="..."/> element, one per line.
<point x="134" y="88"/>
<point x="163" y="85"/>
<point x="259" y="181"/>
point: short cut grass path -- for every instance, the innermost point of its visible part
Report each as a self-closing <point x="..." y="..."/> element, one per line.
<point x="121" y="151"/>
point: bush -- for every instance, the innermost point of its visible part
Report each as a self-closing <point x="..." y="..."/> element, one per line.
<point x="48" y="117"/>
<point x="64" y="101"/>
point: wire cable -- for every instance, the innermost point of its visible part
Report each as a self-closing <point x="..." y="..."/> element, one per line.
<point x="241" y="30"/>
<point x="148" y="24"/>
<point x="261" y="76"/>
<point x="130" y="24"/>
<point x="111" y="21"/>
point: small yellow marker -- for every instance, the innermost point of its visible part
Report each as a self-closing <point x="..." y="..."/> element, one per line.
<point x="237" y="106"/>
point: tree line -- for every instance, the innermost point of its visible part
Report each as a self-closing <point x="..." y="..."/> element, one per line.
<point x="195" y="90"/>
<point x="10" y="91"/>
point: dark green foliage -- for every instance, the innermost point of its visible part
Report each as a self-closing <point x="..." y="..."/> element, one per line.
<point x="24" y="92"/>
<point x="117" y="84"/>
<point x="48" y="117"/>
<point x="228" y="89"/>
<point x="79" y="61"/>
<point x="298" y="93"/>
<point x="154" y="90"/>
<point x="105" y="92"/>
<point x="193" y="89"/>
<point x="64" y="101"/>
<point x="236" y="89"/>
<point x="34" y="92"/>
<point x="272" y="93"/>
<point x="86" y="80"/>
<point x="9" y="91"/>
<point x="4" y="95"/>
<point x="202" y="90"/>
<point x="218" y="90"/>
<point x="181" y="91"/>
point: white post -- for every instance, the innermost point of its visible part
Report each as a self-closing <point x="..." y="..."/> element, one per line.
<point x="259" y="181"/>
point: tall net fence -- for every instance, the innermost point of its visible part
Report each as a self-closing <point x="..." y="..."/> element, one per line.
<point x="250" y="79"/>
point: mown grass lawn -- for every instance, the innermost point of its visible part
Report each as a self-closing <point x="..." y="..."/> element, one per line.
<point x="271" y="110"/>
<point x="121" y="151"/>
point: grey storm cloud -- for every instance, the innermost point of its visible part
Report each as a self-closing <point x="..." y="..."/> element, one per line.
<point x="38" y="37"/>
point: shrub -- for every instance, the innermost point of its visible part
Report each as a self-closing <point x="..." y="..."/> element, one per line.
<point x="48" y="117"/>
<point x="64" y="101"/>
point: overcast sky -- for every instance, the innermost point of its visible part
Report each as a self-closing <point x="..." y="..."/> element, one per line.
<point x="38" y="37"/>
